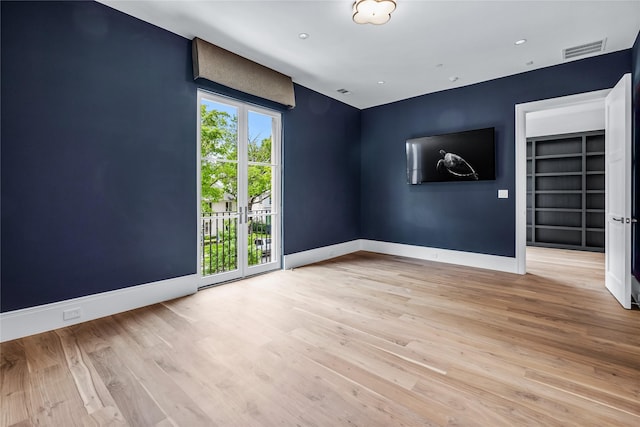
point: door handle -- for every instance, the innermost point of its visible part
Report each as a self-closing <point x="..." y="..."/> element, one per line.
<point x="621" y="219"/>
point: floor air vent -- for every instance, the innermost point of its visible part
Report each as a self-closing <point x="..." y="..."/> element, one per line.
<point x="584" y="49"/>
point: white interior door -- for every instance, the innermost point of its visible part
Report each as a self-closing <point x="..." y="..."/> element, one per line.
<point x="618" y="191"/>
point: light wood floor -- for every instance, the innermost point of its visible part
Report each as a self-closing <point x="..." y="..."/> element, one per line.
<point x="363" y="340"/>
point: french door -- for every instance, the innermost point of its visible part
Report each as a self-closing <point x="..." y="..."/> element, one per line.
<point x="238" y="189"/>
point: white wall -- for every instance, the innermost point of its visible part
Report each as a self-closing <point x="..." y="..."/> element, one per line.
<point x="575" y="118"/>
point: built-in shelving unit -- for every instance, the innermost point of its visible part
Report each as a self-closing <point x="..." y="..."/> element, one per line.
<point x="565" y="191"/>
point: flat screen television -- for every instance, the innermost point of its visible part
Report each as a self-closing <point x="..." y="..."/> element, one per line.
<point x="460" y="156"/>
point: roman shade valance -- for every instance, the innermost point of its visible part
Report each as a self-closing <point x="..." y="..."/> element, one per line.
<point x="221" y="66"/>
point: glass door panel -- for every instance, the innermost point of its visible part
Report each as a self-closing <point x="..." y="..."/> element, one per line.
<point x="218" y="188"/>
<point x="262" y="201"/>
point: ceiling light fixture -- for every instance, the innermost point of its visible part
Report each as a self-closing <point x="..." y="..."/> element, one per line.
<point x="303" y="36"/>
<point x="375" y="12"/>
<point x="519" y="42"/>
<point x="380" y="82"/>
<point x="453" y="79"/>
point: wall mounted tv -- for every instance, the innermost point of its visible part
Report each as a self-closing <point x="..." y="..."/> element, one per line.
<point x="460" y="156"/>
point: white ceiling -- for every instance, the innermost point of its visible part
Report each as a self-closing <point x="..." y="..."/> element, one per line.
<point x="424" y="44"/>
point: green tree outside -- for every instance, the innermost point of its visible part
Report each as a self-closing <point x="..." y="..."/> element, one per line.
<point x="219" y="177"/>
<point x="219" y="154"/>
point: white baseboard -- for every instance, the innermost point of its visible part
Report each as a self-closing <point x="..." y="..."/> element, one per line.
<point x="299" y="259"/>
<point x="469" y="259"/>
<point x="47" y="317"/>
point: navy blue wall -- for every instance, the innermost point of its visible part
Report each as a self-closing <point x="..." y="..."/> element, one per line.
<point x="635" y="55"/>
<point x="321" y="172"/>
<point x="99" y="155"/>
<point x="465" y="216"/>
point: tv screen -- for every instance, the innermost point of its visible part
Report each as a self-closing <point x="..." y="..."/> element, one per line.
<point x="460" y="156"/>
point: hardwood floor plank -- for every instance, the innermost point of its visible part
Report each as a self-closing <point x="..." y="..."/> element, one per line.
<point x="79" y="371"/>
<point x="160" y="388"/>
<point x="202" y="381"/>
<point x="89" y="337"/>
<point x="323" y="384"/>
<point x="14" y="380"/>
<point x="54" y="400"/>
<point x="137" y="407"/>
<point x="109" y="416"/>
<point x="43" y="351"/>
<point x="627" y="404"/>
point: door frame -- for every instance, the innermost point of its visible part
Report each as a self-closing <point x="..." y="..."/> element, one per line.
<point x="521" y="111"/>
<point x="276" y="263"/>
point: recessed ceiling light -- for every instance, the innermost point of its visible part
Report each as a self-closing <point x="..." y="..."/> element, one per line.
<point x="380" y="82"/>
<point x="529" y="63"/>
<point x="343" y="91"/>
<point x="519" y="42"/>
<point x="439" y="65"/>
<point x="303" y="36"/>
<point x="453" y="78"/>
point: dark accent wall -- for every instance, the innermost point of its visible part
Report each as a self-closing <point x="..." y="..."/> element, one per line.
<point x="321" y="172"/>
<point x="464" y="216"/>
<point x="99" y="155"/>
<point x="98" y="152"/>
<point x="635" y="79"/>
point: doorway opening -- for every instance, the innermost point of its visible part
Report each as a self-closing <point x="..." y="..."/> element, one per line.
<point x="239" y="196"/>
<point x="534" y="119"/>
<point x="617" y="188"/>
<point x="565" y="180"/>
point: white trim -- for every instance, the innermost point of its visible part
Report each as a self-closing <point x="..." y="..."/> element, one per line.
<point x="198" y="183"/>
<point x="47" y="317"/>
<point x="521" y="111"/>
<point x="469" y="259"/>
<point x="311" y="256"/>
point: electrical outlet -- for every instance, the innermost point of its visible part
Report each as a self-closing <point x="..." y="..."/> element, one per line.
<point x="72" y="313"/>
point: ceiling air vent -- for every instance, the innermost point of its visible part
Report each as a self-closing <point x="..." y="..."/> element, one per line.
<point x="343" y="91"/>
<point x="584" y="49"/>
